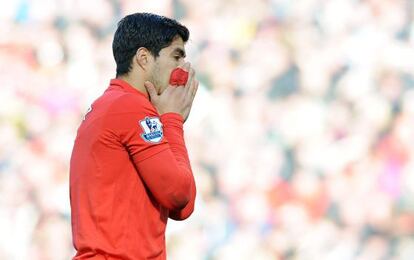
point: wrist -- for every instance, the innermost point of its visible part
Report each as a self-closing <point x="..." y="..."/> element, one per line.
<point x="174" y="117"/>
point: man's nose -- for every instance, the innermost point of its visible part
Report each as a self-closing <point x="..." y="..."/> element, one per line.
<point x="181" y="62"/>
<point x="185" y="65"/>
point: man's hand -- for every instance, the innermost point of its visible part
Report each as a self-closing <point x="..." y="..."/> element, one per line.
<point x="177" y="99"/>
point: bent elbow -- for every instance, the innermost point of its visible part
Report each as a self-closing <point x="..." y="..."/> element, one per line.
<point x="182" y="214"/>
<point x="181" y="197"/>
<point x="180" y="200"/>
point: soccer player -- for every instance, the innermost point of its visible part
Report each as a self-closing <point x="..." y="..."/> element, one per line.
<point x="129" y="170"/>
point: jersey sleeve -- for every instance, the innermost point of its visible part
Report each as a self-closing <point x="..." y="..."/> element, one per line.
<point x="174" y="133"/>
<point x="164" y="169"/>
<point x="138" y="127"/>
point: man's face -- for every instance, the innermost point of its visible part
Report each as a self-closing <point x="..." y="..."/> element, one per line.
<point x="169" y="58"/>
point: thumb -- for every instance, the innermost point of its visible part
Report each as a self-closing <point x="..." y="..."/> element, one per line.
<point x="152" y="92"/>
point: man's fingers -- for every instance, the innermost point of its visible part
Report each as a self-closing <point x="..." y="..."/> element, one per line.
<point x="191" y="75"/>
<point x="152" y="92"/>
<point x="186" y="66"/>
<point x="192" y="90"/>
<point x="196" y="88"/>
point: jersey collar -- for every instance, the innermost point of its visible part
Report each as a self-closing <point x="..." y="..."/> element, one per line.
<point x="122" y="84"/>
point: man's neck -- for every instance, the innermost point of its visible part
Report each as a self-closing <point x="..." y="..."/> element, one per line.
<point x="135" y="83"/>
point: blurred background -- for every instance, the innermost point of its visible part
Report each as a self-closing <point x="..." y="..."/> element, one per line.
<point x="301" y="136"/>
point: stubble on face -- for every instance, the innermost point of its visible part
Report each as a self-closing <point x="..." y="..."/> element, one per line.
<point x="165" y="63"/>
<point x="155" y="77"/>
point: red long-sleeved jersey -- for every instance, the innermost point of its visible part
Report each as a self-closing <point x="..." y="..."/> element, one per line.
<point x="129" y="172"/>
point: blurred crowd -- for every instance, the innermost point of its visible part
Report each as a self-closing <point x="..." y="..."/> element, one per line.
<point x="301" y="136"/>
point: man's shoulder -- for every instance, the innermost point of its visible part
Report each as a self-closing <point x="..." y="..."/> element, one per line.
<point x="124" y="102"/>
<point x="131" y="102"/>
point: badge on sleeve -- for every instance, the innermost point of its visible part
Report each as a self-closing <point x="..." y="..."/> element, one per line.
<point x="152" y="127"/>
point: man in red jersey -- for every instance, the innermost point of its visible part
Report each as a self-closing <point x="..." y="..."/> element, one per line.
<point x="129" y="170"/>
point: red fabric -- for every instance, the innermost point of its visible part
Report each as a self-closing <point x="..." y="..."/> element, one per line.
<point x="123" y="187"/>
<point x="178" y="77"/>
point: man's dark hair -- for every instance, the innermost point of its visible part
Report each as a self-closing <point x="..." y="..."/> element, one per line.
<point x="154" y="32"/>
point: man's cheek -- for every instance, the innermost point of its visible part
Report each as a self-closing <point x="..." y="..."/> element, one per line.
<point x="164" y="84"/>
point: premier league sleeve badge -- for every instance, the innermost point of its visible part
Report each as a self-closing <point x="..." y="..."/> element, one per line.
<point x="152" y="127"/>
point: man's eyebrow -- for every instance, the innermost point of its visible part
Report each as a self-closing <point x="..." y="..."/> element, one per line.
<point x="180" y="51"/>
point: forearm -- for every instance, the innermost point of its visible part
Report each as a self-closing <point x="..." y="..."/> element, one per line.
<point x="173" y="132"/>
<point x="188" y="209"/>
<point x="166" y="180"/>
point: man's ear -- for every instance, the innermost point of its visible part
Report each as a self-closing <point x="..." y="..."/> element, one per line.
<point x="143" y="58"/>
